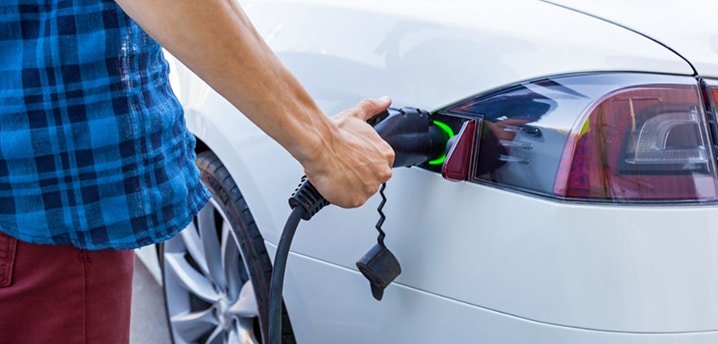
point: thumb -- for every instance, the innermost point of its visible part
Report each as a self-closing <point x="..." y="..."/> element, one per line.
<point x="370" y="107"/>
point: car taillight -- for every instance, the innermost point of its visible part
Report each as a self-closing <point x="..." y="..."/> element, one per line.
<point x="617" y="137"/>
<point x="642" y="143"/>
<point x="712" y="87"/>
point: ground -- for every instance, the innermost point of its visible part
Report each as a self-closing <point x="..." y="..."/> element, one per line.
<point x="149" y="323"/>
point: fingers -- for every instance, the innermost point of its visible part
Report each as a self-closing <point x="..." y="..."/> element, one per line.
<point x="359" y="160"/>
<point x="370" y="107"/>
<point x="360" y="192"/>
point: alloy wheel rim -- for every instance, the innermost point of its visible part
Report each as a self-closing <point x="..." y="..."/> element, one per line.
<point x="210" y="298"/>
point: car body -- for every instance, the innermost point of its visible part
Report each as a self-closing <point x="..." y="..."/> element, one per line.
<point x="485" y="260"/>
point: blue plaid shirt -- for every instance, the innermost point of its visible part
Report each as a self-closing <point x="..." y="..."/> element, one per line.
<point x="94" y="151"/>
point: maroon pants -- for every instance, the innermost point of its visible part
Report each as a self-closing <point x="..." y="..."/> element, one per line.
<point x="62" y="294"/>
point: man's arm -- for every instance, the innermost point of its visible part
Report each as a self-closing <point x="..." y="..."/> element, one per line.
<point x="343" y="157"/>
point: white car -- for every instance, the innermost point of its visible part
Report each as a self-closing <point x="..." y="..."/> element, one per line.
<point x="586" y="204"/>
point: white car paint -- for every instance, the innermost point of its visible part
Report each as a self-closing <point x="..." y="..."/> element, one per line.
<point x="479" y="264"/>
<point x="688" y="27"/>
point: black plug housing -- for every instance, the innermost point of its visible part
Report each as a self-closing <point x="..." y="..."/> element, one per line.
<point x="308" y="198"/>
<point x="413" y="136"/>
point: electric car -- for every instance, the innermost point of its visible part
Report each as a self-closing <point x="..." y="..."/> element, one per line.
<point x="577" y="201"/>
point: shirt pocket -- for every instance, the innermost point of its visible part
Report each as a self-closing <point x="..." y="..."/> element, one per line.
<point x="8" y="246"/>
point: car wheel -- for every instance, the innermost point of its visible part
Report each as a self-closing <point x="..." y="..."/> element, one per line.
<point x="216" y="272"/>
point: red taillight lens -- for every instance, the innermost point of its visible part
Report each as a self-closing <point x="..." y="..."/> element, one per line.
<point x="614" y="137"/>
<point x="643" y="143"/>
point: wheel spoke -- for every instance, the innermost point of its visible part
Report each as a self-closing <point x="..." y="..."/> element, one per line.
<point x="193" y="244"/>
<point x="191" y="280"/>
<point x="217" y="337"/>
<point x="211" y="245"/>
<point x="245" y="332"/>
<point x="232" y="262"/>
<point x="233" y="335"/>
<point x="246" y="305"/>
<point x="192" y="326"/>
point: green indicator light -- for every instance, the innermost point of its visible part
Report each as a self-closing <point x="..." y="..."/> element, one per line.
<point x="450" y="132"/>
<point x="438" y="161"/>
<point x="445" y="127"/>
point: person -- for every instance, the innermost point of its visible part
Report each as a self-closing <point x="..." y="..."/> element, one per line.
<point x="95" y="158"/>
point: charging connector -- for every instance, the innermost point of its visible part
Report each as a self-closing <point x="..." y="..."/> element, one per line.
<point x="416" y="139"/>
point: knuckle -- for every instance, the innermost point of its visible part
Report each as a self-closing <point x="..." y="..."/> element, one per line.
<point x="367" y="102"/>
<point x="383" y="176"/>
<point x="387" y="175"/>
<point x="390" y="157"/>
<point x="356" y="202"/>
<point x="366" y="107"/>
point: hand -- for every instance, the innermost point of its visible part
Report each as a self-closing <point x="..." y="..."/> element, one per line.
<point x="355" y="161"/>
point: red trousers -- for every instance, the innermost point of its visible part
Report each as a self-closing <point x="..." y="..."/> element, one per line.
<point x="62" y="294"/>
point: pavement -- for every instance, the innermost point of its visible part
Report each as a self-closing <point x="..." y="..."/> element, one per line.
<point x="149" y="322"/>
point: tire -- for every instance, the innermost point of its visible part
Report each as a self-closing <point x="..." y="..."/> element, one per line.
<point x="216" y="273"/>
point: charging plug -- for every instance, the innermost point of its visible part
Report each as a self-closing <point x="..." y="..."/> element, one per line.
<point x="308" y="198"/>
<point x="412" y="135"/>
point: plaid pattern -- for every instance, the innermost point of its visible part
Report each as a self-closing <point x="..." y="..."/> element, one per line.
<point x="94" y="151"/>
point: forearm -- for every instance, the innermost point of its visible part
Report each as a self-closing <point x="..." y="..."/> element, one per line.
<point x="215" y="39"/>
<point x="343" y="157"/>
